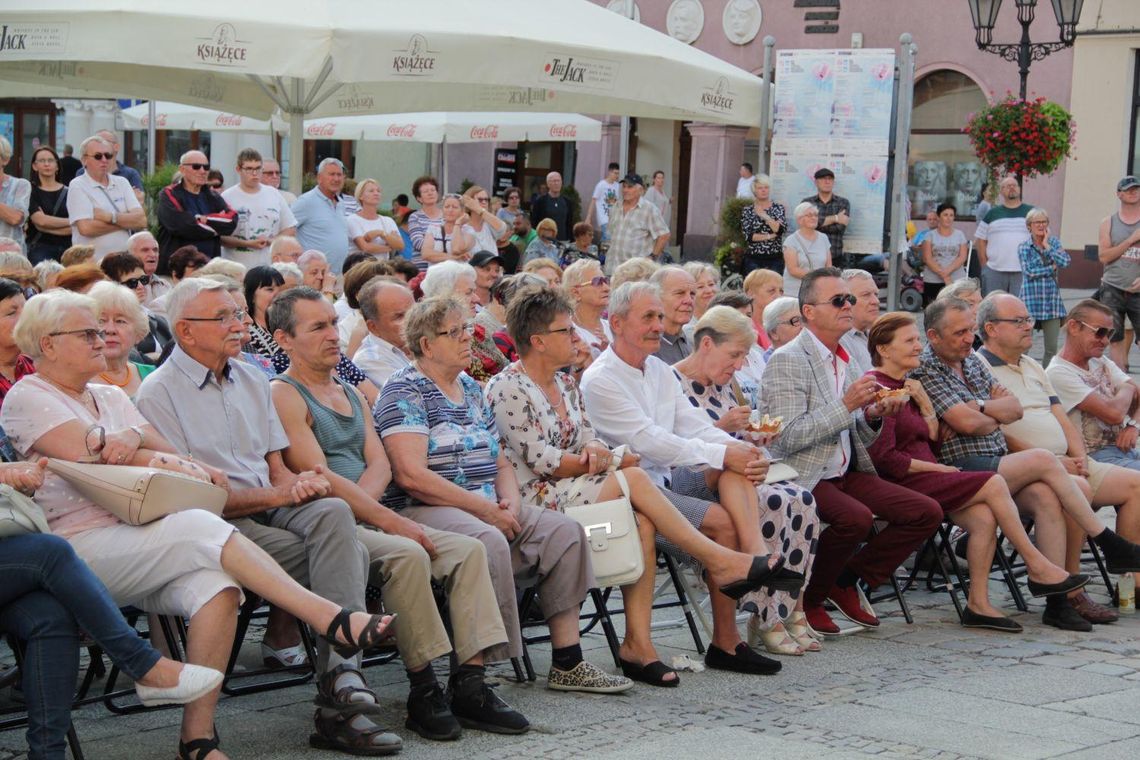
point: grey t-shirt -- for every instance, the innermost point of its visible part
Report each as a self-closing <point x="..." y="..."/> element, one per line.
<point x="944" y="249"/>
<point x="1124" y="271"/>
<point x="810" y="256"/>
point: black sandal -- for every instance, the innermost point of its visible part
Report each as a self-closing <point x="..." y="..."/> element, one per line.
<point x="653" y="674"/>
<point x="336" y="733"/>
<point x="341" y="699"/>
<point x="760" y="575"/>
<point x="373" y="633"/>
<point x="198" y="749"/>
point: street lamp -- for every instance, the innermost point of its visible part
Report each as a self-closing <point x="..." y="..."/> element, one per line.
<point x="984" y="15"/>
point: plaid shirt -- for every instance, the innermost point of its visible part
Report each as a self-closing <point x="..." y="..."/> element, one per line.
<point x="1039" y="282"/>
<point x="835" y="230"/>
<point x="633" y="233"/>
<point x="946" y="390"/>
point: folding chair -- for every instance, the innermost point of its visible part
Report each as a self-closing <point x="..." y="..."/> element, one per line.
<point x="282" y="678"/>
<point x="953" y="580"/>
<point x="896" y="590"/>
<point x="601" y="614"/>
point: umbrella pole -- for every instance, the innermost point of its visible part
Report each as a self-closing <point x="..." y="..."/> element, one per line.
<point x="151" y="158"/>
<point x="443" y="163"/>
<point x="296" y="151"/>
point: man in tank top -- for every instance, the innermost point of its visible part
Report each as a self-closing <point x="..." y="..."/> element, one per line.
<point x="1119" y="252"/>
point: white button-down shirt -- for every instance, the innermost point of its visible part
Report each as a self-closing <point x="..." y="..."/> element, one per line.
<point x="647" y="410"/>
<point x="378" y="359"/>
<point x="836" y="367"/>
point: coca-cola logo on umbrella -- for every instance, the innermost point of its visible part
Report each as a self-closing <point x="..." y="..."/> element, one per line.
<point x="402" y="131"/>
<point x="563" y="130"/>
<point x="228" y="120"/>
<point x="489" y="132"/>
<point x="327" y="129"/>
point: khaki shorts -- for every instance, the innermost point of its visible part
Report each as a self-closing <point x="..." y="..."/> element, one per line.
<point x="1097" y="473"/>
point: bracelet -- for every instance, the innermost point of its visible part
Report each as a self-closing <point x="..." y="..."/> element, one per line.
<point x="114" y="217"/>
<point x="142" y="436"/>
<point x="102" y="439"/>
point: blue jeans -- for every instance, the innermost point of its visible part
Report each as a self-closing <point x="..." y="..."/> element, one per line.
<point x="47" y="591"/>
<point x="1113" y="455"/>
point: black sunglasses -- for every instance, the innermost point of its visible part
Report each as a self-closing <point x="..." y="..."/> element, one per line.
<point x="101" y="156"/>
<point x="198" y="167"/>
<point x="134" y="282"/>
<point x="837" y="301"/>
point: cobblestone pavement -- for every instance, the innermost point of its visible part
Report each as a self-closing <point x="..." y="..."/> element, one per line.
<point x="927" y="690"/>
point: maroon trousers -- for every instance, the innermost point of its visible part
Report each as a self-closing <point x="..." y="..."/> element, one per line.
<point x="849" y="505"/>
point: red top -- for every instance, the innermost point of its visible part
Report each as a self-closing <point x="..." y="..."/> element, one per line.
<point x="24" y="366"/>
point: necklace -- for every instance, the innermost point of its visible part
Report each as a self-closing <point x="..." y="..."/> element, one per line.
<point x="111" y="380"/>
<point x="545" y="395"/>
<point x="80" y="395"/>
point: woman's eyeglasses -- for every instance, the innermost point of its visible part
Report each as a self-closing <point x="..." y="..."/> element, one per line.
<point x="600" y="280"/>
<point x="134" y="282"/>
<point x="90" y="335"/>
<point x="457" y="332"/>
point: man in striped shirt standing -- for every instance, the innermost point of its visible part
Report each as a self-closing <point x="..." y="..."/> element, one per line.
<point x="1000" y="233"/>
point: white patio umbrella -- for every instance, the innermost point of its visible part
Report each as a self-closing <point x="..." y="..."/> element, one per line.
<point x="340" y="57"/>
<point x="457" y="127"/>
<point x="179" y="116"/>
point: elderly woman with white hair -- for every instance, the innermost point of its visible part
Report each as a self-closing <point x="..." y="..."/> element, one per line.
<point x="969" y="290"/>
<point x="589" y="291"/>
<point x="1041" y="257"/>
<point x="788" y="522"/>
<point x="190" y="563"/>
<point x="315" y="273"/>
<point x="708" y="283"/>
<point x="805" y="249"/>
<point x="457" y="279"/>
<point x="123" y="322"/>
<point x="763" y="224"/>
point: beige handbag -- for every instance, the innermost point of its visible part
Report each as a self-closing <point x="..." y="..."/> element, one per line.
<point x="611" y="530"/>
<point x="19" y="515"/>
<point x="778" y="472"/>
<point x="139" y="495"/>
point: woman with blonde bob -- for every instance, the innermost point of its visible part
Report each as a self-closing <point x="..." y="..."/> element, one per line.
<point x="191" y="563"/>
<point x="124" y="323"/>
<point x="589" y="292"/>
<point x="763" y="286"/>
<point x="785" y="514"/>
<point x="708" y="283"/>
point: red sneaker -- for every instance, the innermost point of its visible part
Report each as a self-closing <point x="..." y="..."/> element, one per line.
<point x="820" y="621"/>
<point x="853" y="605"/>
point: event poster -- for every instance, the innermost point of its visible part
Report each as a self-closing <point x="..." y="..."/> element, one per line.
<point x="833" y="109"/>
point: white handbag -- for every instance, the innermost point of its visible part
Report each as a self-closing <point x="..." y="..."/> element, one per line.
<point x="611" y="530"/>
<point x="139" y="495"/>
<point x="19" y="515"/>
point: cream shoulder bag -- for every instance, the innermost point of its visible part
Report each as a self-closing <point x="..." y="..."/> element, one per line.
<point x="611" y="530"/>
<point x="19" y="515"/>
<point x="139" y="495"/>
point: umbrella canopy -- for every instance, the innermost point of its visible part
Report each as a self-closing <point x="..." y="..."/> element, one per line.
<point x="342" y="57"/>
<point x="457" y="127"/>
<point x="178" y="116"/>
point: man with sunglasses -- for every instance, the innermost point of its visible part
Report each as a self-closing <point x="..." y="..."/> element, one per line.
<point x="114" y="168"/>
<point x="144" y="247"/>
<point x="271" y="177"/>
<point x="1019" y="431"/>
<point x="190" y="212"/>
<point x="831" y="414"/>
<point x="102" y="208"/>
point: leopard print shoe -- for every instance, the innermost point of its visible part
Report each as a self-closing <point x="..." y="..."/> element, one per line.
<point x="587" y="677"/>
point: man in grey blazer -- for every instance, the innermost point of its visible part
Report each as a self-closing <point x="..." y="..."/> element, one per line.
<point x="830" y="415"/>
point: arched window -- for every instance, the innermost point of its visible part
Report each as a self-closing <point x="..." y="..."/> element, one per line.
<point x="942" y="165"/>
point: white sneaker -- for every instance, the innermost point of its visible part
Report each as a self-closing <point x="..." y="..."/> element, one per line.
<point x="194" y="681"/>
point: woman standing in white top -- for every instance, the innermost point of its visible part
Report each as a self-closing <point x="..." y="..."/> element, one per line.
<point x="805" y="249"/>
<point x="656" y="195"/>
<point x="484" y="226"/>
<point x="944" y="252"/>
<point x="449" y="241"/>
<point x="369" y="231"/>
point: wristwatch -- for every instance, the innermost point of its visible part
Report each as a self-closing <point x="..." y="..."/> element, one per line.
<point x="1129" y="422"/>
<point x="981" y="405"/>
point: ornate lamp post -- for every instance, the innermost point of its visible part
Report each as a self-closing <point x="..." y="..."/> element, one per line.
<point x="984" y="14"/>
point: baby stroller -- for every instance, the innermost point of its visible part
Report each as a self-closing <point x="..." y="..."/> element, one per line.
<point x="910" y="277"/>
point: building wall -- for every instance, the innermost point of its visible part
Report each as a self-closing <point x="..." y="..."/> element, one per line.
<point x="1104" y="65"/>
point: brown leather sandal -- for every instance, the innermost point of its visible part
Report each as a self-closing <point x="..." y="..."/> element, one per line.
<point x="336" y="733"/>
<point x="341" y="699"/>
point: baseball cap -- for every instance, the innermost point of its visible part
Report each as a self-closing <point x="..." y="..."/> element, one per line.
<point x="633" y="179"/>
<point x="483" y="258"/>
<point x="822" y="173"/>
<point x="1127" y="183"/>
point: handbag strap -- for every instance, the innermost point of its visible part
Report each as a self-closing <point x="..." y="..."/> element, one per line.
<point x="622" y="482"/>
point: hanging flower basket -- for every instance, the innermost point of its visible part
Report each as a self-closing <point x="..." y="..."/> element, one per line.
<point x="1026" y="137"/>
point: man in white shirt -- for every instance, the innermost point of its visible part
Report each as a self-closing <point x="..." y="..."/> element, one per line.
<point x="384" y="302"/>
<point x="1100" y="398"/>
<point x="633" y="398"/>
<point x="744" y="184"/>
<point x="262" y="214"/>
<point x="102" y="208"/>
<point x="604" y="197"/>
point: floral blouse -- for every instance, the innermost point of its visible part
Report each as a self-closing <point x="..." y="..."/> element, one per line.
<point x="535" y="437"/>
<point x="751" y="224"/>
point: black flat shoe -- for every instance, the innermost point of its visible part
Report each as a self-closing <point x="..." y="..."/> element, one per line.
<point x="1072" y="583"/>
<point x="759" y="575"/>
<point x="744" y="660"/>
<point x="784" y="579"/>
<point x="1066" y="618"/>
<point x="653" y="674"/>
<point x="971" y="619"/>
